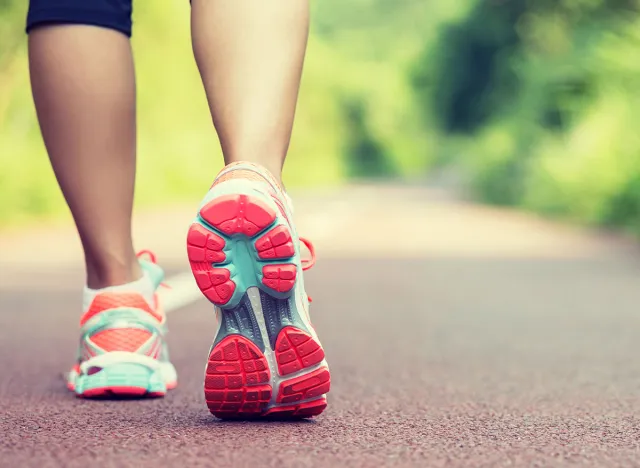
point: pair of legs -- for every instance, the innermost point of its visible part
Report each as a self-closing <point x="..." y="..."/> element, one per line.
<point x="250" y="56"/>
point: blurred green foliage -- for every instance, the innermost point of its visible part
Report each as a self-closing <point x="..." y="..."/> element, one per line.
<point x="356" y="116"/>
<point x="538" y="102"/>
<point x="535" y="101"/>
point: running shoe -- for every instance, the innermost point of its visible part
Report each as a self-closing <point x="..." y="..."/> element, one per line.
<point x="244" y="251"/>
<point x="122" y="350"/>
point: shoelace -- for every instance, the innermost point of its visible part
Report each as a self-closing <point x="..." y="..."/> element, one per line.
<point x="152" y="258"/>
<point x="308" y="263"/>
<point x="150" y="255"/>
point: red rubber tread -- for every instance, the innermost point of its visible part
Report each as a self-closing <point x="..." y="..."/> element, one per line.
<point x="237" y="379"/>
<point x="312" y="385"/>
<point x="203" y="249"/>
<point x="280" y="278"/>
<point x="119" y="391"/>
<point x="275" y="244"/>
<point x="303" y="410"/>
<point x="238" y="214"/>
<point x="296" y="350"/>
<point x="203" y="246"/>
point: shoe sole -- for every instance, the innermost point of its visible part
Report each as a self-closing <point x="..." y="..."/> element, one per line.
<point x="264" y="362"/>
<point x="125" y="380"/>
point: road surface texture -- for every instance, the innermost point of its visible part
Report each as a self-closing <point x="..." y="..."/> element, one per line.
<point x="457" y="335"/>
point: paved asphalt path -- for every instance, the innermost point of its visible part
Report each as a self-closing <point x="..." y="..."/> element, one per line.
<point x="457" y="335"/>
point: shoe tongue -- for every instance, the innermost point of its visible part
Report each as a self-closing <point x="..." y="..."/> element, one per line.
<point x="156" y="274"/>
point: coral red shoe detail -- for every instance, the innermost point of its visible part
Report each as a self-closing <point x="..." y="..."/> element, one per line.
<point x="121" y="339"/>
<point x="110" y="300"/>
<point x="303" y="410"/>
<point x="205" y="248"/>
<point x="220" y="294"/>
<point x="308" y="386"/>
<point x="171" y="385"/>
<point x="296" y="350"/>
<point x="119" y="391"/>
<point x="276" y="243"/>
<point x="312" y="408"/>
<point x="307" y="263"/>
<point x="281" y="278"/>
<point x="155" y="350"/>
<point x="238" y="214"/>
<point x="237" y="379"/>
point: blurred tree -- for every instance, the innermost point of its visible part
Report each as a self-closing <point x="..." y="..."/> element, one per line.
<point x="538" y="100"/>
<point x="466" y="66"/>
<point x="12" y="22"/>
<point x="366" y="157"/>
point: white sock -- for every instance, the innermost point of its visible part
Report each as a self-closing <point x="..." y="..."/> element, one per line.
<point x="143" y="286"/>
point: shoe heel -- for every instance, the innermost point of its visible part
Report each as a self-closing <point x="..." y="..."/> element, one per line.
<point x="122" y="379"/>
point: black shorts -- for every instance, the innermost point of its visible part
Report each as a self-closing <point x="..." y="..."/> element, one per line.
<point x="113" y="14"/>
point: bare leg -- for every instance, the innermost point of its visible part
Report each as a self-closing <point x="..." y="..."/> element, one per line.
<point x="250" y="55"/>
<point x="84" y="90"/>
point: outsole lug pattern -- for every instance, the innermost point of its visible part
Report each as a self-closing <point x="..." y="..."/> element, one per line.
<point x="303" y="410"/>
<point x="275" y="244"/>
<point x="209" y="253"/>
<point x="237" y="379"/>
<point x="281" y="278"/>
<point x="312" y="385"/>
<point x="238" y="214"/>
<point x="296" y="350"/>
<point x="205" y="248"/>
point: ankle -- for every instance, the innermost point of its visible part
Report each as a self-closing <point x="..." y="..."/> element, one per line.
<point x="104" y="273"/>
<point x="274" y="168"/>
